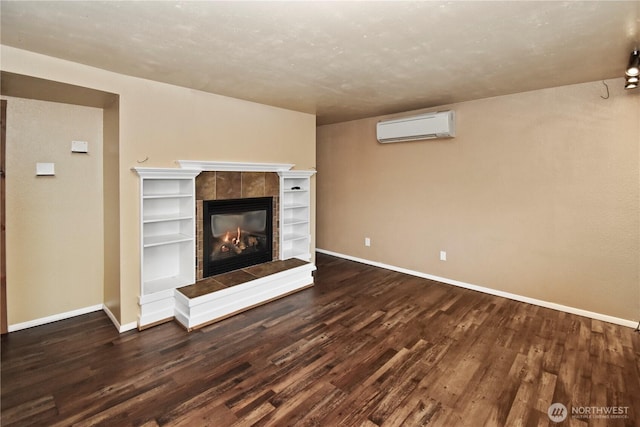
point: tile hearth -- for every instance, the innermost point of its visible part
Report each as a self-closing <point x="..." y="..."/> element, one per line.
<point x="238" y="277"/>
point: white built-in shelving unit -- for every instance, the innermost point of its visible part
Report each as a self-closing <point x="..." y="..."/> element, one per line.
<point x="295" y="214"/>
<point x="168" y="243"/>
<point x="167" y="212"/>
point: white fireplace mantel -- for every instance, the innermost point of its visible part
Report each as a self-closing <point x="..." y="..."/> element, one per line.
<point x="234" y="166"/>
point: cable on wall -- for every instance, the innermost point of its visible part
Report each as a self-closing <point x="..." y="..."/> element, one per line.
<point x="605" y="85"/>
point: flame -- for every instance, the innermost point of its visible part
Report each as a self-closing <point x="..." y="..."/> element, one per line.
<point x="235" y="240"/>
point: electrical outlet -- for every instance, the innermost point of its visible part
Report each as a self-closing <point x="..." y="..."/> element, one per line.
<point x="443" y="255"/>
<point x="367" y="241"/>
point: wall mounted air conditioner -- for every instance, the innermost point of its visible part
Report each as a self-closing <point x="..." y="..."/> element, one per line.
<point x="423" y="126"/>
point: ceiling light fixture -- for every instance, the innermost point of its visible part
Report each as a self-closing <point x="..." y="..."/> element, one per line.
<point x="633" y="70"/>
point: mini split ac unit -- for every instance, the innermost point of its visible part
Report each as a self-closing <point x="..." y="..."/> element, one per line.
<point x="423" y="126"/>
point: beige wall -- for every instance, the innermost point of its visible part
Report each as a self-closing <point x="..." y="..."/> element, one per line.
<point x="166" y="123"/>
<point x="538" y="195"/>
<point x="111" y="206"/>
<point x="54" y="223"/>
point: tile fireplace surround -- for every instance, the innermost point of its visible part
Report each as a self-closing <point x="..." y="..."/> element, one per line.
<point x="224" y="185"/>
<point x="198" y="304"/>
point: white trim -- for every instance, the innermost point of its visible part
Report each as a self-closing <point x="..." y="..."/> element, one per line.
<point x="297" y="173"/>
<point x="121" y="328"/>
<point x="166" y="173"/>
<point x="111" y="316"/>
<point x="54" y="318"/>
<point x="516" y="297"/>
<point x="73" y="313"/>
<point x="234" y="166"/>
<point x="128" y="327"/>
<point x="156" y="306"/>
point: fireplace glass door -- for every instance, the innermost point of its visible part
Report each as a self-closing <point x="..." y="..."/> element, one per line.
<point x="237" y="233"/>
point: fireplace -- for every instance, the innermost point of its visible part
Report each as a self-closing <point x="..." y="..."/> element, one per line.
<point x="237" y="233"/>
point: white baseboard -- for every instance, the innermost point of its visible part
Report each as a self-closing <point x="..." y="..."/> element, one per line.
<point x="121" y="328"/>
<point x="70" y="314"/>
<point x="54" y="318"/>
<point x="516" y="297"/>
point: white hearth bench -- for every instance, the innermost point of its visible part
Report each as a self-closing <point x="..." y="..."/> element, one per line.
<point x="196" y="307"/>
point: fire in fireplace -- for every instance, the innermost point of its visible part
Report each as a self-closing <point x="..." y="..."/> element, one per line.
<point x="237" y="233"/>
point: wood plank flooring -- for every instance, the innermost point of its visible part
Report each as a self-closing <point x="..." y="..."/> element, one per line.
<point x="364" y="347"/>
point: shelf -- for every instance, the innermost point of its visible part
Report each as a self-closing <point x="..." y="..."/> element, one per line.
<point x="166" y="196"/>
<point x="305" y="256"/>
<point x="294" y="221"/>
<point x="165" y="283"/>
<point x="167" y="228"/>
<point x="151" y="241"/>
<point x="301" y="175"/>
<point x="295" y="235"/>
<point x="167" y="173"/>
<point x="164" y="217"/>
<point x="292" y="237"/>
<point x="296" y="206"/>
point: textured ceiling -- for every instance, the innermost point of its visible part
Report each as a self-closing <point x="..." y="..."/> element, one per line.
<point x="338" y="60"/>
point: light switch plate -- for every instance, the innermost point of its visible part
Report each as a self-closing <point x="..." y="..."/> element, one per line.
<point x="79" y="147"/>
<point x="45" y="169"/>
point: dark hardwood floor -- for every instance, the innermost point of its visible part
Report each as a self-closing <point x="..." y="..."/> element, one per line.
<point x="364" y="347"/>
